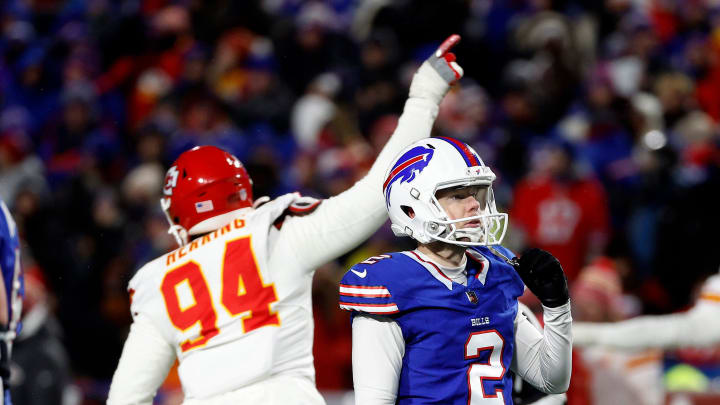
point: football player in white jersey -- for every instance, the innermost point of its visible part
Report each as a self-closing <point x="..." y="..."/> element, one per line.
<point x="697" y="327"/>
<point x="233" y="303"/>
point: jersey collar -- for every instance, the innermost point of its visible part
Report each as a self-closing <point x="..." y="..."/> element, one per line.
<point x="431" y="267"/>
<point x="481" y="268"/>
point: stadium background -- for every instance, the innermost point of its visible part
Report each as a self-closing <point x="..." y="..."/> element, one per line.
<point x="599" y="117"/>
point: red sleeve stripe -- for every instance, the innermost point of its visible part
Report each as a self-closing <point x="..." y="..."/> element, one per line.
<point x="370" y="308"/>
<point x="300" y="209"/>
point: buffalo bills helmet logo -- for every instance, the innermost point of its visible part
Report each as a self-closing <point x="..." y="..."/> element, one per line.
<point x="407" y="167"/>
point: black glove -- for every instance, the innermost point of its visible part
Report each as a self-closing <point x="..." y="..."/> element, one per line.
<point x="544" y="276"/>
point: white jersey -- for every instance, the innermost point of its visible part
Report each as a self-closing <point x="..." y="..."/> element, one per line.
<point x="240" y="324"/>
<point x="220" y="289"/>
<point x="697" y="327"/>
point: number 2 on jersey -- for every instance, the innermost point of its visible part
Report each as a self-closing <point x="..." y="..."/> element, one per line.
<point x="243" y="291"/>
<point x="479" y="372"/>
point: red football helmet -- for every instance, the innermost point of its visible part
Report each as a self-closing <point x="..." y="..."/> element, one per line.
<point x="202" y="188"/>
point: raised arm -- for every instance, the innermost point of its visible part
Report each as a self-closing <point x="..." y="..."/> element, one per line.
<point x="343" y="221"/>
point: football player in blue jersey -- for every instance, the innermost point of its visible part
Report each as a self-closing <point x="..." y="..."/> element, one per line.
<point x="11" y="290"/>
<point x="440" y="324"/>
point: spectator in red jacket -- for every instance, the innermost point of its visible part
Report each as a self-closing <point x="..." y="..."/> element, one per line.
<point x="559" y="210"/>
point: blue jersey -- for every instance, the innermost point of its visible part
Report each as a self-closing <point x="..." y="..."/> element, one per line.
<point x="459" y="340"/>
<point x="10" y="265"/>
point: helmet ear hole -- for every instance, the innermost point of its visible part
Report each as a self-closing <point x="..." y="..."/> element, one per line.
<point x="176" y="220"/>
<point x="408" y="211"/>
<point x="233" y="198"/>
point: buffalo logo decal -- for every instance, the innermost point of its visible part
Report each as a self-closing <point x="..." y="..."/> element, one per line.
<point x="407" y="167"/>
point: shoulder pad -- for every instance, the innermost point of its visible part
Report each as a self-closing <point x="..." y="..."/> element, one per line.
<point x="140" y="287"/>
<point x="364" y="288"/>
<point x="136" y="279"/>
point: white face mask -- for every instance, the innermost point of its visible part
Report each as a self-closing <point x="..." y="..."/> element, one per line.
<point x="489" y="227"/>
<point x="490" y="231"/>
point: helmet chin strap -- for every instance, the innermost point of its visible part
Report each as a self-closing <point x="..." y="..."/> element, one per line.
<point x="178" y="232"/>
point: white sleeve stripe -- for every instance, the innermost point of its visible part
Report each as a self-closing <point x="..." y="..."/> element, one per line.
<point x="370" y="308"/>
<point x="370" y="295"/>
<point x="358" y="291"/>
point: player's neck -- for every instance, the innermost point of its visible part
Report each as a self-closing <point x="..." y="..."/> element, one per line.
<point x="443" y="254"/>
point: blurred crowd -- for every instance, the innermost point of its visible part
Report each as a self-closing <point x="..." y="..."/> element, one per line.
<point x="599" y="117"/>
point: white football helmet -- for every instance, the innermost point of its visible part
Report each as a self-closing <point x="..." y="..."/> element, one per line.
<point x="434" y="164"/>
